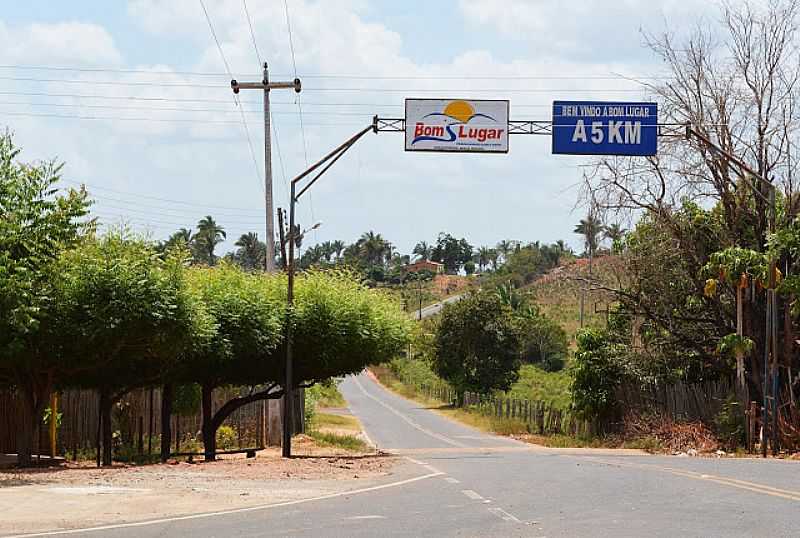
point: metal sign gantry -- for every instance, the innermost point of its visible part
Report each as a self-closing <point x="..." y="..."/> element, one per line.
<point x="519" y="127"/>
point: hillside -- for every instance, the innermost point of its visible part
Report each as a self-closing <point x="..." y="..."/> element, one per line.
<point x="558" y="293"/>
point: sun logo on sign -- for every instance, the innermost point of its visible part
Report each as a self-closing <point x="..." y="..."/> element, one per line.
<point x="459" y="112"/>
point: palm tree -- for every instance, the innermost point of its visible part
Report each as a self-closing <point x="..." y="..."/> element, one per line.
<point x="505" y="247"/>
<point x="209" y="235"/>
<point x="614" y="232"/>
<point x="590" y="228"/>
<point x="251" y="251"/>
<point x="493" y="256"/>
<point x="182" y="237"/>
<point x="423" y="250"/>
<point x="338" y="247"/>
<point x="484" y="255"/>
<point x="374" y="248"/>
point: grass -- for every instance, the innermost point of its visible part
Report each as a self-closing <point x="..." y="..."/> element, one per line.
<point x="339" y="422"/>
<point x="328" y="395"/>
<point x="336" y="440"/>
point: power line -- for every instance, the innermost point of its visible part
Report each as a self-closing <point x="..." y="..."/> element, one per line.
<point x="252" y="34"/>
<point x="192" y="100"/>
<point x="158" y="120"/>
<point x="214" y="35"/>
<point x="299" y="105"/>
<point x="610" y="76"/>
<point x="157" y="198"/>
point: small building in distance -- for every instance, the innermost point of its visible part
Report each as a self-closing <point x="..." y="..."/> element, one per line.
<point x="424" y="265"/>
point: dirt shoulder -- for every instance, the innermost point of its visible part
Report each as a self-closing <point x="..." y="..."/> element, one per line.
<point x="80" y="495"/>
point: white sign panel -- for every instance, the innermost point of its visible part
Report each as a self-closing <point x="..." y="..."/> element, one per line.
<point x="457" y="125"/>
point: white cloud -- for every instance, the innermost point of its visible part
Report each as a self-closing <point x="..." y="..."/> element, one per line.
<point x="61" y="43"/>
<point x="406" y="196"/>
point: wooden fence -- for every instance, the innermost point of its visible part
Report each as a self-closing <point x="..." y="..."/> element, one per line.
<point x="136" y="421"/>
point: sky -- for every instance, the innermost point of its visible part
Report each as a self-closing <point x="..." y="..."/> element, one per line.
<point x="134" y="97"/>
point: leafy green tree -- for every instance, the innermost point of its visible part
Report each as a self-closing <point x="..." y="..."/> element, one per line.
<point x="120" y="318"/>
<point x="476" y="345"/>
<point x="209" y="235"/>
<point x="423" y="250"/>
<point x="543" y="341"/>
<point x="451" y="252"/>
<point x="469" y="267"/>
<point x="180" y="239"/>
<point x="339" y="327"/>
<point x="247" y="315"/>
<point x="484" y="256"/>
<point x="37" y="223"/>
<point x="251" y="252"/>
<point x="595" y="376"/>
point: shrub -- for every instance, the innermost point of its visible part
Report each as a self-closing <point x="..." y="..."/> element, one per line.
<point x="595" y="376"/>
<point x="227" y="438"/>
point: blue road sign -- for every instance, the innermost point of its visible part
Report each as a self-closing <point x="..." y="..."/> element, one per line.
<point x="603" y="128"/>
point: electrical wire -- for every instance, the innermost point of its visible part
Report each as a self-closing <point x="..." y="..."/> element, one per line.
<point x="252" y="34"/>
<point x="610" y="76"/>
<point x="299" y="106"/>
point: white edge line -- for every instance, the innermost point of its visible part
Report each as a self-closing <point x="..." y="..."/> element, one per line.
<point x="225" y="512"/>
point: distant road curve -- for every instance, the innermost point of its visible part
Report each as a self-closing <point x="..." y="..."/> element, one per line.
<point x="434" y="309"/>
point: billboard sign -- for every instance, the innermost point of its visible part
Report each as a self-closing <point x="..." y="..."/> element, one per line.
<point x="605" y="128"/>
<point x="457" y="125"/>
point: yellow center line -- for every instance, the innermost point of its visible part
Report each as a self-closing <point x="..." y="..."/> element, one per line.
<point x="725" y="481"/>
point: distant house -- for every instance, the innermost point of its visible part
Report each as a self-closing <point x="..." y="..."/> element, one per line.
<point x="424" y="265"/>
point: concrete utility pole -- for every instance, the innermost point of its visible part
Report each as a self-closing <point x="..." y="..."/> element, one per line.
<point x="266" y="86"/>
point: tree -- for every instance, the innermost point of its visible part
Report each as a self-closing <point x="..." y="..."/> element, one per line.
<point x="469" y="267"/>
<point x="595" y="376"/>
<point x="543" y="341"/>
<point x="451" y="252"/>
<point x="209" y="235"/>
<point x="339" y="327"/>
<point x="248" y="317"/>
<point x="590" y="228"/>
<point x="251" y="252"/>
<point x="423" y="250"/>
<point x="120" y="317"/>
<point x="476" y="346"/>
<point x="338" y="247"/>
<point x="182" y="238"/>
<point x="505" y="247"/>
<point x="484" y="257"/>
<point x="37" y="223"/>
<point x="614" y="232"/>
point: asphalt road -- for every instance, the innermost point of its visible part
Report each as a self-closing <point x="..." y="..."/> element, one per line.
<point x="432" y="310"/>
<point x="455" y="481"/>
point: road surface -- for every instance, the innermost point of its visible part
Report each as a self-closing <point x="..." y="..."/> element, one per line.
<point x="455" y="481"/>
<point x="432" y="310"/>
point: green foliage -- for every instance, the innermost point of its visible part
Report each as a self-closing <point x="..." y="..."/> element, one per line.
<point x="120" y="314"/>
<point x="477" y="345"/>
<point x="336" y="440"/>
<point x="732" y="345"/>
<point x="543" y="341"/>
<point x="186" y="399"/>
<point x="37" y="223"/>
<point x="227" y="438"/>
<point x="729" y="423"/>
<point x="595" y="376"/>
<point x="451" y="252"/>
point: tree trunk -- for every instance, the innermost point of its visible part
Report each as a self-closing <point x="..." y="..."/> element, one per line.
<point x="209" y="425"/>
<point x="25" y="433"/>
<point x="105" y="426"/>
<point x="33" y="394"/>
<point x="166" y="414"/>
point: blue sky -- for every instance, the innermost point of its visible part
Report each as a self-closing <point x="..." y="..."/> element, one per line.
<point x="172" y="148"/>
